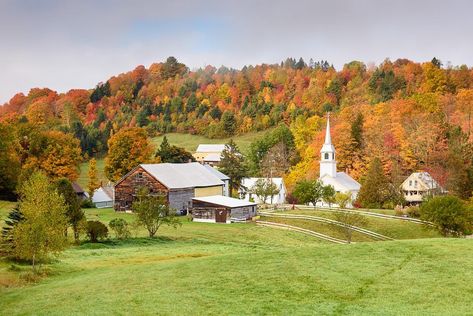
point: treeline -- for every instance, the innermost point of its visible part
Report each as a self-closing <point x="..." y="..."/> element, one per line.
<point x="410" y="115"/>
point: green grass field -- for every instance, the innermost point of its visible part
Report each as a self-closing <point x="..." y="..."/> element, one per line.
<point x="393" y="228"/>
<point x="187" y="141"/>
<point x="243" y="269"/>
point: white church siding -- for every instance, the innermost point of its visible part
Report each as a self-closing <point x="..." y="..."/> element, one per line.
<point x="340" y="181"/>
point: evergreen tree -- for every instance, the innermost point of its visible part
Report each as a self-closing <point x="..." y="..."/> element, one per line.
<point x="375" y="189"/>
<point x="232" y="164"/>
<point x="74" y="213"/>
<point x="6" y="242"/>
<point x="173" y="154"/>
<point x="229" y="123"/>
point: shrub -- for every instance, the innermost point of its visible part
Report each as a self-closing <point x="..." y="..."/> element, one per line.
<point x="449" y="214"/>
<point x="87" y="203"/>
<point x="96" y="230"/>
<point x="120" y="228"/>
<point x="413" y="212"/>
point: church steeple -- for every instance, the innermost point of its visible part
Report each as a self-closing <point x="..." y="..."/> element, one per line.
<point x="328" y="164"/>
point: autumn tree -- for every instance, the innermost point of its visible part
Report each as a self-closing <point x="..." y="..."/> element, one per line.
<point x="232" y="164"/>
<point x="343" y="199"/>
<point x="9" y="163"/>
<point x="127" y="149"/>
<point x="94" y="182"/>
<point x="152" y="212"/>
<point x="55" y="153"/>
<point x="41" y="232"/>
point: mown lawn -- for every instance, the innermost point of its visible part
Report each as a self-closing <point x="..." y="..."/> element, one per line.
<point x="394" y="228"/>
<point x="243" y="269"/>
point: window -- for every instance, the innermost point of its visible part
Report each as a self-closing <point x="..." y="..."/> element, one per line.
<point x="410" y="182"/>
<point x="326" y="156"/>
<point x="139" y="175"/>
<point x="415" y="183"/>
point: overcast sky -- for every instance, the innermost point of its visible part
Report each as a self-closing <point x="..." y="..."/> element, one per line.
<point x="75" y="44"/>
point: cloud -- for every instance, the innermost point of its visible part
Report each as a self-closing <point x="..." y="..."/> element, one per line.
<point x="75" y="44"/>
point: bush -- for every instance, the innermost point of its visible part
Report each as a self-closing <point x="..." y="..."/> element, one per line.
<point x="120" y="228"/>
<point x="96" y="230"/>
<point x="87" y="203"/>
<point x="413" y="212"/>
<point x="449" y="214"/>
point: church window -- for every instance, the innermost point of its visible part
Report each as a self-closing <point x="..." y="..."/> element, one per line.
<point x="326" y="156"/>
<point x="333" y="156"/>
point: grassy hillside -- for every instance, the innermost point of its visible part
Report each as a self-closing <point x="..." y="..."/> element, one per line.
<point x="243" y="269"/>
<point x="394" y="228"/>
<point x="187" y="141"/>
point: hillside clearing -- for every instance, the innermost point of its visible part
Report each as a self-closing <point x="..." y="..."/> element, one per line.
<point x="242" y="269"/>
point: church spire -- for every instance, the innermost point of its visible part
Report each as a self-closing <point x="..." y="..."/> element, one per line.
<point x="328" y="139"/>
<point x="328" y="164"/>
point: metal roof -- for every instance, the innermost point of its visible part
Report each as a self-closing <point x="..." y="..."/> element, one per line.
<point x="182" y="175"/>
<point x="341" y="179"/>
<point x="224" y="201"/>
<point x="101" y="195"/>
<point x="219" y="175"/>
<point x="210" y="148"/>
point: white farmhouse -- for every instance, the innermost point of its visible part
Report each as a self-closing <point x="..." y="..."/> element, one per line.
<point x="246" y="192"/>
<point x="418" y="185"/>
<point x="209" y="154"/>
<point x="340" y="181"/>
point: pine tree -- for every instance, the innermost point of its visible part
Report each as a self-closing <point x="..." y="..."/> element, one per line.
<point x="375" y="187"/>
<point x="232" y="164"/>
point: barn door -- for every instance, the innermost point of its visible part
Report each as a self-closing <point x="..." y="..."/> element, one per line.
<point x="220" y="216"/>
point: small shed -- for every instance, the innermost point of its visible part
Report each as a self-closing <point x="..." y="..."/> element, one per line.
<point x="221" y="209"/>
<point x="81" y="194"/>
<point x="103" y="197"/>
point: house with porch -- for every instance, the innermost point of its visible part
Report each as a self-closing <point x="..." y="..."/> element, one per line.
<point x="418" y="186"/>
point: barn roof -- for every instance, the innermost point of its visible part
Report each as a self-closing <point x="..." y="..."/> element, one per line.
<point x="102" y="194"/>
<point x="210" y="148"/>
<point x="224" y="201"/>
<point x="182" y="175"/>
<point x="219" y="175"/>
<point x="77" y="188"/>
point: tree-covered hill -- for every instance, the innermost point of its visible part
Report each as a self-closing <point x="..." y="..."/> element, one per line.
<point x="411" y="115"/>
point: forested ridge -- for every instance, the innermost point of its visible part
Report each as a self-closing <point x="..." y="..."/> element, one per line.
<point x="413" y="116"/>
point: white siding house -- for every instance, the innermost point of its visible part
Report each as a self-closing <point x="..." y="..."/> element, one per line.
<point x="247" y="194"/>
<point x="419" y="185"/>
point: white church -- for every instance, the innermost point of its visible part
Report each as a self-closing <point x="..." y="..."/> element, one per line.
<point x="340" y="181"/>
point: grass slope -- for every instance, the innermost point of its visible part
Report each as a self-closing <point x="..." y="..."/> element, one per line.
<point x="187" y="141"/>
<point x="241" y="269"/>
<point x="393" y="228"/>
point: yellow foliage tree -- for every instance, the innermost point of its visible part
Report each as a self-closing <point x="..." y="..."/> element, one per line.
<point x="127" y="149"/>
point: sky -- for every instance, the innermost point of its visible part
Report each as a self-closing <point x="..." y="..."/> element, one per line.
<point x="67" y="44"/>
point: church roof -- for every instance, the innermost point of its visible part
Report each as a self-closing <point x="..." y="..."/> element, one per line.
<point x="327" y="146"/>
<point x="341" y="182"/>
